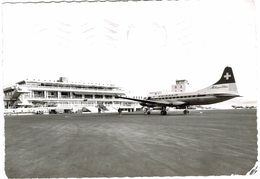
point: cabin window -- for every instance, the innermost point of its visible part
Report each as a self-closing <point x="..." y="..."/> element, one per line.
<point x="77" y="95"/>
<point x="88" y="96"/>
<point x="98" y="96"/>
<point x="38" y="94"/>
<point x="65" y="94"/>
<point x="108" y="96"/>
<point x="52" y="94"/>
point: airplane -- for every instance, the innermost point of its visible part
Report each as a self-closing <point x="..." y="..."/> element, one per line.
<point x="224" y="89"/>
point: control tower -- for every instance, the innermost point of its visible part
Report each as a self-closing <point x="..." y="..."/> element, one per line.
<point x="180" y="86"/>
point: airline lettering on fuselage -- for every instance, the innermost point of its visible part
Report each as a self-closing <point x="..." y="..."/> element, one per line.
<point x="219" y="86"/>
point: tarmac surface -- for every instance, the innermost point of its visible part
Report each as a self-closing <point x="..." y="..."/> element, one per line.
<point x="214" y="142"/>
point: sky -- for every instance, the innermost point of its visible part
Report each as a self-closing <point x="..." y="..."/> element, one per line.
<point x="140" y="46"/>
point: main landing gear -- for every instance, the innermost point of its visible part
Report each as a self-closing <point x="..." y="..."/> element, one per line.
<point x="163" y="111"/>
<point x="186" y="111"/>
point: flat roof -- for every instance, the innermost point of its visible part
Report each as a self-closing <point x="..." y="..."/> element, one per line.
<point x="68" y="83"/>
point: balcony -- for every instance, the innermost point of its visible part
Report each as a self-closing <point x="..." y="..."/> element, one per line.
<point x="74" y="89"/>
<point x="65" y="97"/>
<point x="52" y="97"/>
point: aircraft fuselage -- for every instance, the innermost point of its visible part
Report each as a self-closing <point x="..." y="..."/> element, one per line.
<point x="192" y="98"/>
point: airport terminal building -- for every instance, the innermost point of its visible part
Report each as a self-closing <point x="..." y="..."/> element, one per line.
<point x="65" y="96"/>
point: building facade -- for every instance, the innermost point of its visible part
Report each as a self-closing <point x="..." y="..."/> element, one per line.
<point x="65" y="95"/>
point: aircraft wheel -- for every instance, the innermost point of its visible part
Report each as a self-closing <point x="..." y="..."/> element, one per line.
<point x="163" y="112"/>
<point x="148" y="112"/>
<point x="186" y="112"/>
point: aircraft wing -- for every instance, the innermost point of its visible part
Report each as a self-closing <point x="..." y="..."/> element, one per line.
<point x="153" y="102"/>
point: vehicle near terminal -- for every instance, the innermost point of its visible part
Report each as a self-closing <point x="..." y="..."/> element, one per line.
<point x="224" y="89"/>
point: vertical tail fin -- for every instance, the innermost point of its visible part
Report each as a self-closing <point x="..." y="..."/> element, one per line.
<point x="227" y="77"/>
<point x="226" y="83"/>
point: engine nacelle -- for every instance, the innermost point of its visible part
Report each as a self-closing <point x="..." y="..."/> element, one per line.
<point x="181" y="107"/>
<point x="147" y="105"/>
<point x="157" y="108"/>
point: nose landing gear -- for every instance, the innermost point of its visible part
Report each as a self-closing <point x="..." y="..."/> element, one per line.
<point x="163" y="111"/>
<point x="147" y="111"/>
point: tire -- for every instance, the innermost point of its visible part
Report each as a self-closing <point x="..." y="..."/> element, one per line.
<point x="163" y="112"/>
<point x="186" y="112"/>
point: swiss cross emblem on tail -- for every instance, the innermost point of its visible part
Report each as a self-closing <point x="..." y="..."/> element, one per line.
<point x="227" y="76"/>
